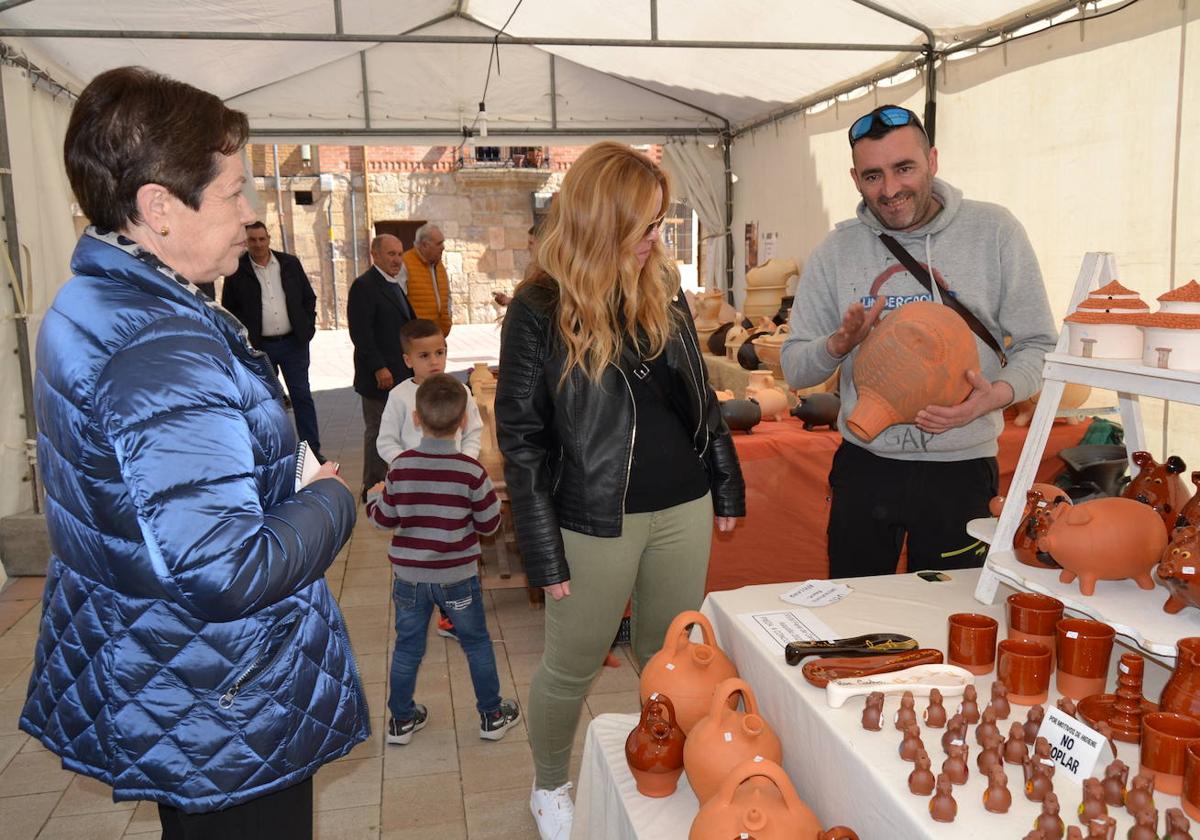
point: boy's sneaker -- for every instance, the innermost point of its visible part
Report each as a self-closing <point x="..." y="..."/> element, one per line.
<point x="493" y="725"/>
<point x="446" y="628"/>
<point x="553" y="811"/>
<point x="401" y="731"/>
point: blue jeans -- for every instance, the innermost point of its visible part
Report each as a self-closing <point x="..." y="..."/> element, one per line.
<point x="291" y="355"/>
<point x="463" y="603"/>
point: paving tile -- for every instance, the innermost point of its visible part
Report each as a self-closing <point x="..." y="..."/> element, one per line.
<point x="14" y="645"/>
<point x="524" y="639"/>
<point x="38" y="772"/>
<point x="24" y="816"/>
<point x="422" y="801"/>
<point x="17" y="666"/>
<point x="501" y="765"/>
<point x="18" y="687"/>
<point x="352" y="596"/>
<point x="373" y="667"/>
<point x="10" y="745"/>
<point x="23" y="588"/>
<point x="145" y="820"/>
<point x="441" y="831"/>
<point x="429" y="752"/>
<point x="500" y="815"/>
<point x="89" y="796"/>
<point x="621" y="702"/>
<point x="524" y="665"/>
<point x="13" y="610"/>
<point x="347" y="784"/>
<point x="110" y="826"/>
<point x="347" y="824"/>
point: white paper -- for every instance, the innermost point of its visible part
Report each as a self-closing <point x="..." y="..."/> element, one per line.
<point x="770" y="246"/>
<point x="1075" y="747"/>
<point x="776" y="629"/>
<point x="816" y="593"/>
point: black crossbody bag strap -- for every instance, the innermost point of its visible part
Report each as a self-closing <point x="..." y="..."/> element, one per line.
<point x="918" y="271"/>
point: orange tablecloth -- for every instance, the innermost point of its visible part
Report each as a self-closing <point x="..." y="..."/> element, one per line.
<point x="786" y="470"/>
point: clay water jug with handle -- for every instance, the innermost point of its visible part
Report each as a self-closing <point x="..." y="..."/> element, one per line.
<point x="687" y="672"/>
<point x="1182" y="692"/>
<point x="917" y="356"/>
<point x="757" y="800"/>
<point x="654" y="749"/>
<point x="726" y="737"/>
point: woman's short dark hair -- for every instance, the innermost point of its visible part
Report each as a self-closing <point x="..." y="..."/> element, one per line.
<point x="133" y="127"/>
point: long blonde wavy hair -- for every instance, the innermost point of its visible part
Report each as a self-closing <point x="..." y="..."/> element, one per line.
<point x="588" y="245"/>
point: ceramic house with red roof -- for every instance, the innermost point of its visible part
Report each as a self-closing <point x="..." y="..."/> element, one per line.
<point x="1105" y="324"/>
<point x="1171" y="336"/>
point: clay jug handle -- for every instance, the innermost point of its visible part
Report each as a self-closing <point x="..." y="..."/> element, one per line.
<point x="769" y="770"/>
<point x="726" y="689"/>
<point x="677" y="633"/>
<point x="838" y="832"/>
<point x="664" y="703"/>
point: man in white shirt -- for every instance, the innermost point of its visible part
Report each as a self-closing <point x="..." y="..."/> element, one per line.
<point x="271" y="295"/>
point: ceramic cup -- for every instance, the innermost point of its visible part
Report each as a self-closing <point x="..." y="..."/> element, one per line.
<point x="972" y="642"/>
<point x="1084" y="649"/>
<point x="1024" y="668"/>
<point x="1191" y="782"/>
<point x="1033" y="618"/>
<point x="1166" y="737"/>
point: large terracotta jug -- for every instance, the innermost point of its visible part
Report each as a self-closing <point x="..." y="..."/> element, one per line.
<point x="757" y="800"/>
<point x="654" y="749"/>
<point x="1182" y="692"/>
<point x="726" y="737"/>
<point x="686" y="672"/>
<point x="915" y="357"/>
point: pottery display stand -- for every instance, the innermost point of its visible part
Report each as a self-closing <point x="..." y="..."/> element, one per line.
<point x="1134" y="613"/>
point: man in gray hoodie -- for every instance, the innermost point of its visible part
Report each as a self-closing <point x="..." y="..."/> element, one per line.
<point x="922" y="481"/>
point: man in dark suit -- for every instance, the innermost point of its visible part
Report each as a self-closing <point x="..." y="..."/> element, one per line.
<point x="271" y="295"/>
<point x="377" y="308"/>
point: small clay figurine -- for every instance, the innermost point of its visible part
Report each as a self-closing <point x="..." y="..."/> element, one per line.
<point x="920" y="780"/>
<point x="1140" y="795"/>
<point x="911" y="744"/>
<point x="1049" y="822"/>
<point x="906" y="715"/>
<point x="969" y="707"/>
<point x="1073" y="833"/>
<point x="1067" y="706"/>
<point x="1116" y="776"/>
<point x="1178" y="827"/>
<point x="990" y="756"/>
<point x="1033" y="722"/>
<point x="1039" y="782"/>
<point x="1000" y="700"/>
<point x="942" y="806"/>
<point x="1145" y="825"/>
<point x="935" y="713"/>
<point x="956" y="765"/>
<point x="956" y="732"/>
<point x="1015" y="748"/>
<point x="1035" y="834"/>
<point x="1041" y="754"/>
<point x="987" y="726"/>
<point x="996" y="798"/>
<point x="1106" y="830"/>
<point x="1092" y="807"/>
<point x="872" y="716"/>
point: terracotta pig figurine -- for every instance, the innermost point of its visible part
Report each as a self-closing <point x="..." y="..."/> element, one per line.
<point x="818" y="410"/>
<point x="1179" y="569"/>
<point x="1159" y="485"/>
<point x="1105" y="539"/>
<point x="1190" y="514"/>
<point x="1035" y="522"/>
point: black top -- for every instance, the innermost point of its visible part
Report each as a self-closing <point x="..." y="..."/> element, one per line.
<point x="666" y="468"/>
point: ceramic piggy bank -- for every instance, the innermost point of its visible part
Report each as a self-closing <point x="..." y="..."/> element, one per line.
<point x="1179" y="569"/>
<point x="1040" y="501"/>
<point x="1105" y="539"/>
<point x="818" y="410"/>
<point x="1160" y="486"/>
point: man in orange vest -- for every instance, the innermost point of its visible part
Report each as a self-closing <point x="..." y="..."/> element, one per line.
<point x="428" y="285"/>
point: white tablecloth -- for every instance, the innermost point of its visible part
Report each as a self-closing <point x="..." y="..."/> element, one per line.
<point x="847" y="775"/>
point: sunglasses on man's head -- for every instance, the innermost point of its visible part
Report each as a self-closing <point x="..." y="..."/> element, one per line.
<point x="891" y="117"/>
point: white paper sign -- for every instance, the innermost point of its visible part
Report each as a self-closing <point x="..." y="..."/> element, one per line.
<point x="776" y="629"/>
<point x="816" y="593"/>
<point x="1075" y="747"/>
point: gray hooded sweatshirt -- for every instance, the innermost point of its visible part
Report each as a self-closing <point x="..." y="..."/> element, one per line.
<point x="981" y="254"/>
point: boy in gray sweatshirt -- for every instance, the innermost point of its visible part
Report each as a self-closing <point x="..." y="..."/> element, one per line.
<point x="922" y="481"/>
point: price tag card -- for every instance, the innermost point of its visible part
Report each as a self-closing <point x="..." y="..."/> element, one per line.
<point x="775" y="629"/>
<point x="816" y="593"/>
<point x="1075" y="747"/>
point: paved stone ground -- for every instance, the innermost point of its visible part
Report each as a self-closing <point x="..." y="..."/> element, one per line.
<point x="445" y="785"/>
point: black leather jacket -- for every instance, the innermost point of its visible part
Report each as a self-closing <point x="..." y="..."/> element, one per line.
<point x="568" y="452"/>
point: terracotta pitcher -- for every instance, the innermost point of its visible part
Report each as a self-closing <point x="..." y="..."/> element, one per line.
<point x="917" y="356"/>
<point x="686" y="672"/>
<point x="757" y="800"/>
<point x="654" y="749"/>
<point x="726" y="737"/>
<point x="1182" y="692"/>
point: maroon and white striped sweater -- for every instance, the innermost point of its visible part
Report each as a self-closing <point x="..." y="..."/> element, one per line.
<point x="437" y="502"/>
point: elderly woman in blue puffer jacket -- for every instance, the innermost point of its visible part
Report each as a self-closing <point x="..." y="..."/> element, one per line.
<point x="190" y="651"/>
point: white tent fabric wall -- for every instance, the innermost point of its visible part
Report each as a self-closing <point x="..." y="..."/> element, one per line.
<point x="37" y="123"/>
<point x="697" y="174"/>
<point x="1076" y="137"/>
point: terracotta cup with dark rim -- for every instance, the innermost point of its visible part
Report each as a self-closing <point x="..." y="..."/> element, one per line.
<point x="1024" y="668"/>
<point x="1191" y="781"/>
<point x="1032" y="617"/>
<point x="972" y="642"/>
<point x="1084" y="650"/>
<point x="1166" y="737"/>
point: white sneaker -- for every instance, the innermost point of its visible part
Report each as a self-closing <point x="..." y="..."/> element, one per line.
<point x="553" y="812"/>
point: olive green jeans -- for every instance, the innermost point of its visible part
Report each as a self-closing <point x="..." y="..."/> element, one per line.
<point x="661" y="559"/>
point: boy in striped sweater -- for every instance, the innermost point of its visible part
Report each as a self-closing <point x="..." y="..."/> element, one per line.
<point x="438" y="501"/>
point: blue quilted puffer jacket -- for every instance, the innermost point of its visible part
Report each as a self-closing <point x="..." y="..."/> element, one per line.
<point x="190" y="651"/>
